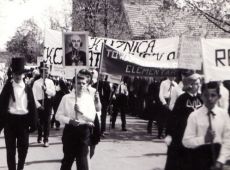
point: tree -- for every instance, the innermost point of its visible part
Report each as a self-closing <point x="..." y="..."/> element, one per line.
<point x="27" y="41"/>
<point x="60" y="19"/>
<point x="215" y="11"/>
<point x="100" y="17"/>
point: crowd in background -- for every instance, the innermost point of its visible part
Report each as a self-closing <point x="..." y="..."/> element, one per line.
<point x="160" y="100"/>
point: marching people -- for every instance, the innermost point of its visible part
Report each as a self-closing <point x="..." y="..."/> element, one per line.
<point x="166" y="87"/>
<point x="61" y="90"/>
<point x="104" y="90"/>
<point x="96" y="130"/>
<point x="78" y="110"/>
<point x="18" y="115"/>
<point x="120" y="105"/>
<point x="177" y="154"/>
<point x="152" y="104"/>
<point x="208" y="131"/>
<point x="44" y="90"/>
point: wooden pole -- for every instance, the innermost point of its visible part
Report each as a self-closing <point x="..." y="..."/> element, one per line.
<point x="43" y="77"/>
<point x="76" y="91"/>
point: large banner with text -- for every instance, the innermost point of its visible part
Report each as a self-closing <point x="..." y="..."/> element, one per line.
<point x="216" y="59"/>
<point x="121" y="63"/>
<point x="160" y="53"/>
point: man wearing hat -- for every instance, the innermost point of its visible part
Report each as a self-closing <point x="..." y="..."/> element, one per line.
<point x="177" y="154"/>
<point x="18" y="115"/>
<point x="44" y="90"/>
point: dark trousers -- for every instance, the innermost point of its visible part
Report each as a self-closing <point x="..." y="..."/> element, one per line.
<point x="103" y="117"/>
<point x="44" y="120"/>
<point x="53" y="120"/>
<point x="116" y="109"/>
<point x="75" y="141"/>
<point x="178" y="158"/>
<point x="162" y="119"/>
<point x="16" y="135"/>
<point x="150" y="126"/>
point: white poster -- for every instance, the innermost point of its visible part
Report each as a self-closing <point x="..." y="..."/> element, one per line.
<point x="216" y="59"/>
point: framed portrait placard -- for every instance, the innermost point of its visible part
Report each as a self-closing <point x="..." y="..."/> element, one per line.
<point x="75" y="51"/>
<point x="75" y="48"/>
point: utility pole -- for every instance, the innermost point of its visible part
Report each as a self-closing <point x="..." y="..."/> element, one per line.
<point x="106" y="18"/>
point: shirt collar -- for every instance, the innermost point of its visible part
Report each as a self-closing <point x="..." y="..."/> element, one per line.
<point x="192" y="95"/>
<point x="205" y="109"/>
<point x="20" y="84"/>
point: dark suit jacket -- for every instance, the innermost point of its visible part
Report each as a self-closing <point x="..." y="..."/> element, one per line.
<point x="4" y="104"/>
<point x="69" y="61"/>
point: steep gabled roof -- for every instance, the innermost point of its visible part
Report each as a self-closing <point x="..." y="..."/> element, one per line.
<point x="151" y="18"/>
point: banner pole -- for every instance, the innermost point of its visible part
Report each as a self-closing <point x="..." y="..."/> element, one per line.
<point x="43" y="78"/>
<point x="99" y="71"/>
<point x="75" y="77"/>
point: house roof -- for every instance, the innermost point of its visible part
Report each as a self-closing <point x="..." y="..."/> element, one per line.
<point x="151" y="18"/>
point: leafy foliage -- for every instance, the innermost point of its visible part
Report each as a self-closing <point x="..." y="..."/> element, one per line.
<point x="100" y="18"/>
<point x="27" y="41"/>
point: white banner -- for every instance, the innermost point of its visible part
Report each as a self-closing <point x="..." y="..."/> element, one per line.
<point x="190" y="56"/>
<point x="216" y="59"/>
<point x="160" y="53"/>
<point x="53" y="48"/>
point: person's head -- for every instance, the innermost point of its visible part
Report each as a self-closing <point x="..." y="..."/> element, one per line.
<point x="192" y="83"/>
<point x="76" y="42"/>
<point x="210" y="94"/>
<point x="84" y="78"/>
<point x="43" y="69"/>
<point x="171" y="78"/>
<point x="18" y="69"/>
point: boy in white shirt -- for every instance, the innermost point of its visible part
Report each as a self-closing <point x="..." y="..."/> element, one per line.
<point x="77" y="110"/>
<point x="208" y="131"/>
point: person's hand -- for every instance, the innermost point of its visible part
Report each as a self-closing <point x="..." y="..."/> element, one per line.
<point x="90" y="124"/>
<point x="209" y="136"/>
<point x="217" y="166"/>
<point x="168" y="140"/>
<point x="74" y="123"/>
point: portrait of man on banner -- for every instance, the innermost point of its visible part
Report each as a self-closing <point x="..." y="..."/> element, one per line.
<point x="75" y="48"/>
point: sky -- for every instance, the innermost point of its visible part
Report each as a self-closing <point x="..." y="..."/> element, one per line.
<point x="14" y="12"/>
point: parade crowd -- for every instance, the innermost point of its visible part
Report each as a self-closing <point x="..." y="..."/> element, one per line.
<point x="190" y="114"/>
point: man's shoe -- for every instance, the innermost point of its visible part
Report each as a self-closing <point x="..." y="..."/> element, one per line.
<point x="39" y="140"/>
<point x="124" y="129"/>
<point x="46" y="144"/>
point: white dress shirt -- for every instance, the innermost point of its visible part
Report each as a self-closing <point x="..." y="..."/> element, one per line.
<point x="175" y="93"/>
<point x="122" y="89"/>
<point x="38" y="91"/>
<point x="19" y="106"/>
<point x="223" y="102"/>
<point x="86" y="106"/>
<point x="166" y="87"/>
<point x="198" y="124"/>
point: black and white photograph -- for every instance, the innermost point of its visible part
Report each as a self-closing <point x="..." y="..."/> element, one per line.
<point x="114" y="85"/>
<point x="75" y="48"/>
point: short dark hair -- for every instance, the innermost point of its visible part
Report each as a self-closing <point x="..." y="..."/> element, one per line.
<point x="211" y="85"/>
<point x="82" y="74"/>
